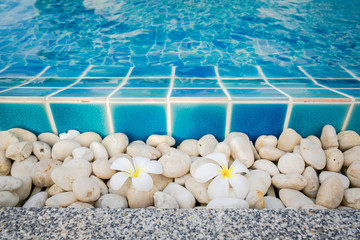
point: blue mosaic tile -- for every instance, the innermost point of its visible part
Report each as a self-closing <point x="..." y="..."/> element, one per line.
<point x="138" y="122"/>
<point x="352" y="92"/>
<point x="98" y="83"/>
<point x="245" y="83"/>
<point x="196" y="72"/>
<point x="154" y="71"/>
<point x="312" y="93"/>
<point x="12" y="82"/>
<point x="246" y="71"/>
<point x="340" y="83"/>
<point x="107" y="71"/>
<point x="354" y="70"/>
<point x="64" y="71"/>
<point x="258" y="119"/>
<point x="197" y="120"/>
<point x="354" y="122"/>
<point x="256" y="94"/>
<point x="50" y="82"/>
<point x="30" y="116"/>
<point x="84" y="92"/>
<point x="196" y="92"/>
<point x="327" y="72"/>
<point x="309" y="119"/>
<point x="28" y="92"/>
<point x="140" y="93"/>
<point x="293" y="83"/>
<point x="22" y="71"/>
<point x="83" y="117"/>
<point x="195" y="83"/>
<point x="147" y="83"/>
<point x="273" y="71"/>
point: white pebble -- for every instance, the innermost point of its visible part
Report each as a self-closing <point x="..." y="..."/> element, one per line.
<point x="85" y="189"/>
<point x="259" y="180"/>
<point x="99" y="151"/>
<point x="84" y="153"/>
<point x="352" y="198"/>
<point x="38" y="200"/>
<point x="271" y="153"/>
<point x="241" y="150"/>
<point x="62" y="149"/>
<point x="328" y="137"/>
<point x="49" y="138"/>
<point x="9" y="183"/>
<point x="330" y="193"/>
<point x="19" y="151"/>
<point x="291" y="163"/>
<point x="228" y="203"/>
<point x="348" y="139"/>
<point x="312" y="180"/>
<point x="353" y="173"/>
<point x="344" y="180"/>
<point x="163" y="200"/>
<point x="7" y="138"/>
<point x="115" y="143"/>
<point x="140" y="199"/>
<point x="41" y="150"/>
<point x="85" y="139"/>
<point x="111" y="201"/>
<point x="273" y="203"/>
<point x="206" y="145"/>
<point x="5" y="164"/>
<point x="71" y="134"/>
<point x="41" y="172"/>
<point x="266" y="166"/>
<point x="198" y="190"/>
<point x="175" y="163"/>
<point x="23" y="134"/>
<point x="313" y="154"/>
<point x="24" y="168"/>
<point x="61" y="200"/>
<point x="8" y="199"/>
<point x="334" y="159"/>
<point x="189" y="146"/>
<point x="288" y="139"/>
<point x="265" y="140"/>
<point x="143" y="150"/>
<point x="291" y="180"/>
<point x="294" y="199"/>
<point x="183" y="196"/>
<point x="351" y="155"/>
<point x="155" y="140"/>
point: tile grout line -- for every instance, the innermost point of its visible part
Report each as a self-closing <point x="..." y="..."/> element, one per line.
<point x="168" y="103"/>
<point x="47" y="104"/>
<point x="4" y="68"/>
<point x="351" y="73"/>
<point x="351" y="108"/>
<point x="290" y="99"/>
<point x="107" y="101"/>
<point x="229" y="104"/>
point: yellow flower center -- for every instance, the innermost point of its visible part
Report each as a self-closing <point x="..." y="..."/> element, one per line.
<point x="136" y="173"/>
<point x="226" y="173"/>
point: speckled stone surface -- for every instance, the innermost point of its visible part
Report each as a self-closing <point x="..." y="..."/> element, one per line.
<point x="56" y="223"/>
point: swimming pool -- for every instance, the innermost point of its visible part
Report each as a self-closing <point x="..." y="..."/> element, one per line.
<point x="178" y="33"/>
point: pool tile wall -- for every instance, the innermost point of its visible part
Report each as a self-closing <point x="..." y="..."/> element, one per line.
<point x="185" y="102"/>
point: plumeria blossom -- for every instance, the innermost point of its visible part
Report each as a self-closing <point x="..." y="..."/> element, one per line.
<point x="138" y="170"/>
<point x="223" y="176"/>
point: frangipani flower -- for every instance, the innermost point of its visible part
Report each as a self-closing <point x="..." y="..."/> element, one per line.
<point x="137" y="171"/>
<point x="223" y="176"/>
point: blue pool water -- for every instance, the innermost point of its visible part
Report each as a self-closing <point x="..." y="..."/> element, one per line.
<point x="186" y="32"/>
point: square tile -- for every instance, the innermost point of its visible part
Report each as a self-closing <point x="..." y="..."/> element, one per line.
<point x="246" y="71"/>
<point x="98" y="83"/>
<point x="245" y="83"/>
<point x="84" y="93"/>
<point x="313" y="94"/>
<point x="327" y="72"/>
<point x="340" y="83"/>
<point x="139" y="121"/>
<point x="352" y="92"/>
<point x="195" y="83"/>
<point x="198" y="93"/>
<point x="30" y="116"/>
<point x="274" y="71"/>
<point x="22" y="71"/>
<point x="256" y="94"/>
<point x="151" y="93"/>
<point x="65" y="71"/>
<point x="154" y="71"/>
<point x="51" y="82"/>
<point x="293" y="83"/>
<point x="196" y="120"/>
<point x="354" y="122"/>
<point x="107" y="71"/>
<point x="83" y="117"/>
<point x="196" y="72"/>
<point x="258" y="119"/>
<point x="147" y="83"/>
<point x="12" y="82"/>
<point x="28" y="92"/>
<point x="309" y="119"/>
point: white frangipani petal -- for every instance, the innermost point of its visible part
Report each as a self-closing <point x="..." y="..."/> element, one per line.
<point x="140" y="162"/>
<point x="240" y="184"/>
<point x="143" y="182"/>
<point x="218" y="188"/>
<point x="122" y="164"/>
<point x="154" y="167"/>
<point x="206" y="172"/>
<point x="118" y="180"/>
<point x="220" y="158"/>
<point x="238" y="167"/>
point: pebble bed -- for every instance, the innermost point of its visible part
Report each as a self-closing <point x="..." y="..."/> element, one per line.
<point x="73" y="170"/>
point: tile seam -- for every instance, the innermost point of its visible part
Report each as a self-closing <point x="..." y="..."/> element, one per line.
<point x="168" y="103"/>
<point x="350" y="72"/>
<point x="4" y="68"/>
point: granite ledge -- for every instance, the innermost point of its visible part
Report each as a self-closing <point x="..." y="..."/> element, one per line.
<point x="57" y="223"/>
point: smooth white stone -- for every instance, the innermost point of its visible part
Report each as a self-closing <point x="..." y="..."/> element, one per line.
<point x="256" y="154"/>
<point x="206" y="145"/>
<point x="9" y="183"/>
<point x="266" y="166"/>
<point x="54" y="189"/>
<point x="23" y="134"/>
<point x="291" y="180"/>
<point x="85" y="189"/>
<point x="111" y="201"/>
<point x="291" y="163"/>
<point x="334" y="159"/>
<point x="271" y="153"/>
<point x="224" y="148"/>
<point x="255" y="200"/>
<point x="315" y="139"/>
<point x="61" y="200"/>
<point x="271" y="191"/>
<point x="163" y="200"/>
<point x="23" y="169"/>
<point x="41" y="150"/>
<point x="265" y="140"/>
<point x="313" y="183"/>
<point x="344" y="180"/>
<point x="241" y="150"/>
<point x="38" y="200"/>
<point x="7" y="138"/>
<point x="41" y="172"/>
<point x="181" y="180"/>
<point x="313" y="207"/>
<point x="63" y="149"/>
<point x="49" y="138"/>
<point x="35" y="190"/>
<point x="353" y="173"/>
<point x="297" y="149"/>
<point x="140" y="199"/>
<point x="164" y="148"/>
<point x="154" y="140"/>
<point x="8" y="199"/>
<point x="68" y="159"/>
<point x="144" y="150"/>
<point x="273" y="203"/>
<point x="80" y="205"/>
<point x="288" y="139"/>
<point x="5" y="164"/>
<point x="330" y="193"/>
<point x="123" y="190"/>
<point x="103" y="188"/>
<point x="85" y="139"/>
<point x="19" y="151"/>
<point x="99" y="151"/>
<point x="351" y="155"/>
<point x="83" y="152"/>
<point x="71" y="134"/>
<point x="24" y="191"/>
<point x="328" y="137"/>
<point x="198" y="190"/>
<point x="293" y="198"/>
<point x="183" y="196"/>
<point x="160" y="181"/>
<point x="115" y="143"/>
<point x="175" y="163"/>
<point x="348" y="139"/>
<point x="352" y="198"/>
<point x="259" y="180"/>
<point x="232" y="135"/>
<point x="228" y="203"/>
<point x="198" y="162"/>
<point x="313" y="154"/>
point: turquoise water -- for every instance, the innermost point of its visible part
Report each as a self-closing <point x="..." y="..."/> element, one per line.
<point x="187" y="32"/>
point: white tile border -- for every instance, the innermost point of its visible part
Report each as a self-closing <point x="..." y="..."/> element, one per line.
<point x="4" y="68"/>
<point x="351" y="73"/>
<point x="168" y="103"/>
